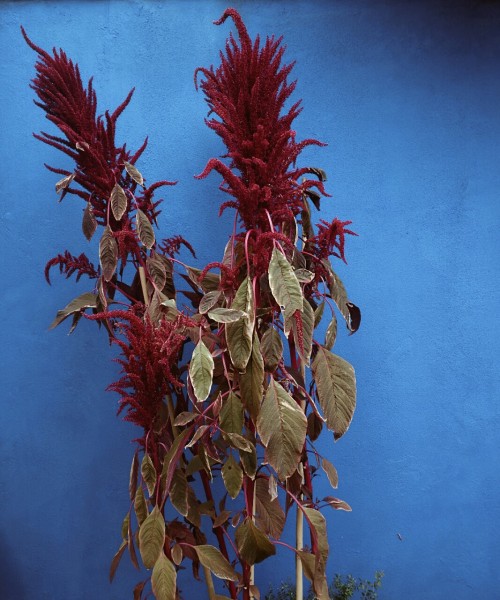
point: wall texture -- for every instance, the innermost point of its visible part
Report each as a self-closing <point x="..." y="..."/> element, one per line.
<point x="407" y="96"/>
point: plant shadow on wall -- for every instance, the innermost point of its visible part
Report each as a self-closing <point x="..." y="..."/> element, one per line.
<point x="236" y="389"/>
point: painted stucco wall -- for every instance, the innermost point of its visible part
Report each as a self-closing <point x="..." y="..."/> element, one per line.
<point x="407" y="95"/>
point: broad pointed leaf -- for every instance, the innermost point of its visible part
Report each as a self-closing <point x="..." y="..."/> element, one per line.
<point x="331" y="472"/>
<point x="140" y="506"/>
<point x="331" y="333"/>
<point x="208" y="301"/>
<point x="337" y="504"/>
<point x="118" y="202"/>
<point x="201" y="371"/>
<point x="157" y="271"/>
<point x="284" y="285"/>
<point x="226" y="315"/>
<point x="148" y="473"/>
<point x="108" y="254"/>
<point x="272" y="349"/>
<point x="252" y="380"/>
<point x="231" y="414"/>
<point x="133" y="171"/>
<point x="179" y="492"/>
<point x="282" y="427"/>
<point x="239" y="334"/>
<point x="232" y="476"/>
<point x="336" y="385"/>
<point x="164" y="579"/>
<point x="86" y="300"/>
<point x="63" y="183"/>
<point x="116" y="560"/>
<point x="89" y="222"/>
<point x="253" y="545"/>
<point x="269" y="515"/>
<point x="151" y="538"/>
<point x="211" y="558"/>
<point x="144" y="229"/>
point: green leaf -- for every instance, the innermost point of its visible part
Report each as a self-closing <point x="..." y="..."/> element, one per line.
<point x="337" y="504"/>
<point x="284" y="285"/>
<point x="86" y="300"/>
<point x="349" y="311"/>
<point x="304" y="275"/>
<point x="208" y="301"/>
<point x="134" y="173"/>
<point x="211" y="558"/>
<point x="108" y="254"/>
<point x="210" y="281"/>
<point x="226" y="315"/>
<point x="282" y="427"/>
<point x="252" y="380"/>
<point x="201" y="371"/>
<point x="318" y="314"/>
<point x="239" y="334"/>
<point x="118" y="202"/>
<point x="172" y="458"/>
<point x="177" y="554"/>
<point x="314" y="426"/>
<point x="249" y="461"/>
<point x="269" y="515"/>
<point x="238" y="441"/>
<point x="148" y="473"/>
<point x="272" y="349"/>
<point x="157" y="271"/>
<point x="63" y="183"/>
<point x="331" y="333"/>
<point x="232" y="476"/>
<point x="253" y="545"/>
<point x="231" y="414"/>
<point x="151" y="537"/>
<point x="179" y="492"/>
<point x="89" y="222"/>
<point x="144" y="229"/>
<point x="336" y="385"/>
<point x="331" y="472"/>
<point x="140" y="506"/>
<point x="184" y="418"/>
<point x="116" y="560"/>
<point x="317" y="523"/>
<point x="164" y="579"/>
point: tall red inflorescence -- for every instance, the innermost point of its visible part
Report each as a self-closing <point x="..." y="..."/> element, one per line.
<point x="247" y="93"/>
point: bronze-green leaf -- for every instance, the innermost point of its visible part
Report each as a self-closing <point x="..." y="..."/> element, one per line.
<point x="226" y="315"/>
<point x="282" y="427"/>
<point x="140" y="506"/>
<point x="336" y="385"/>
<point x="132" y="481"/>
<point x="63" y="183"/>
<point x="157" y="271"/>
<point x="272" y="349"/>
<point x="303" y="332"/>
<point x="331" y="333"/>
<point x="86" y="300"/>
<point x="253" y="545"/>
<point x="331" y="472"/>
<point x="284" y="285"/>
<point x="252" y="380"/>
<point x="269" y="515"/>
<point x="89" y="222"/>
<point x="108" y="254"/>
<point x="144" y="229"/>
<point x="133" y="171"/>
<point x="179" y="492"/>
<point x="118" y="200"/>
<point x="232" y="476"/>
<point x="209" y="300"/>
<point x="164" y="579"/>
<point x="151" y="537"/>
<point x="239" y="334"/>
<point x="201" y="371"/>
<point x="148" y="473"/>
<point x="231" y="414"/>
<point x="211" y="558"/>
<point x="116" y="560"/>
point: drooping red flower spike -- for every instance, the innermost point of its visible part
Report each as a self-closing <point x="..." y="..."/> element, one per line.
<point x="247" y="93"/>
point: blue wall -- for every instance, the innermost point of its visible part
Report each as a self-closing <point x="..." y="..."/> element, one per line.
<point x="407" y="95"/>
